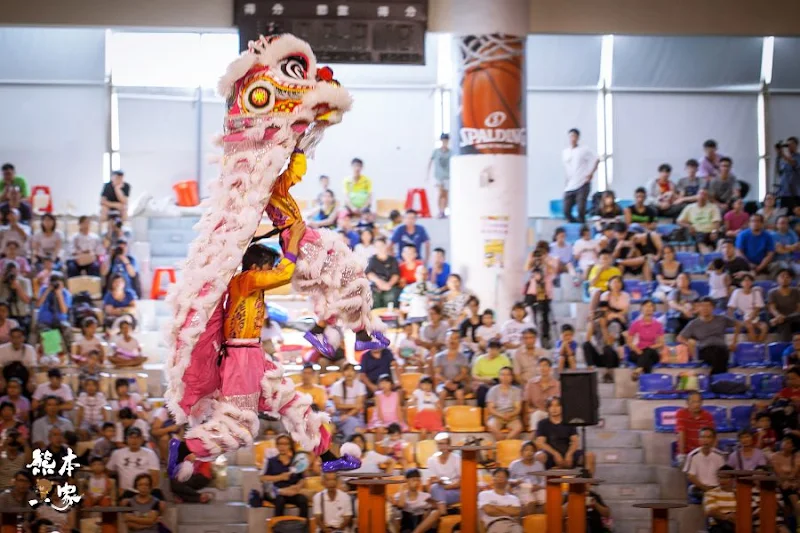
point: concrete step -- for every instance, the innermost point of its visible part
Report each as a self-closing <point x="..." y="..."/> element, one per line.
<point x="605" y="390"/>
<point x="237" y="474"/>
<point x="172" y="223"/>
<point x="615" y="422"/>
<point x="618" y="493"/>
<point x="213" y="528"/>
<point x="620" y="456"/>
<point x="231" y="494"/>
<point x="625" y="510"/>
<point x="625" y="474"/>
<point x="641" y="526"/>
<point x="214" y="513"/>
<point x="613" y="406"/>
<point x="598" y="438"/>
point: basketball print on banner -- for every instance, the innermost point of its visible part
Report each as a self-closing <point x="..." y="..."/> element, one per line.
<point x="491" y="95"/>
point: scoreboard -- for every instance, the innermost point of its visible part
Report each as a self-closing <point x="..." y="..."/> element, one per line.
<point x="369" y="31"/>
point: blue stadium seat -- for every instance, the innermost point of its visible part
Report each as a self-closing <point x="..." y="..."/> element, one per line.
<point x="737" y="378"/>
<point x="709" y="258"/>
<point x="585" y="292"/>
<point x="775" y="350"/>
<point x="557" y="209"/>
<point x="765" y="385"/>
<point x="704" y="388"/>
<point x="727" y="445"/>
<point x="750" y="355"/>
<point x="638" y="289"/>
<point x="665" y="419"/>
<point x="765" y="286"/>
<point x="690" y="261"/>
<point x="666" y="229"/>
<point x="573" y="231"/>
<point x="740" y="416"/>
<point x="700" y="286"/>
<point x="624" y="203"/>
<point x="720" y="415"/>
<point x="657" y="387"/>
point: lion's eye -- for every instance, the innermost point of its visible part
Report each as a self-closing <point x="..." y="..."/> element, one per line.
<point x="295" y="67"/>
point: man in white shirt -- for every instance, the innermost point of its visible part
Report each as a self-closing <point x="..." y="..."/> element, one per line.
<point x="133" y="460"/>
<point x="85" y="249"/>
<point x="51" y="419"/>
<point x="55" y="386"/>
<point x="17" y="350"/>
<point x="703" y="463"/>
<point x="499" y="506"/>
<point x="333" y="508"/>
<point x="580" y="164"/>
<point x="128" y="421"/>
<point x="444" y="468"/>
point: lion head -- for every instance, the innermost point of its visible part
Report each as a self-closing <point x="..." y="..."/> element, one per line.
<point x="275" y="91"/>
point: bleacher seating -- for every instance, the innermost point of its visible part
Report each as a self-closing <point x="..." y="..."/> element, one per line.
<point x="765" y="385"/>
<point x="765" y="285"/>
<point x="720" y="415"/>
<point x="775" y="350"/>
<point x="750" y="355"/>
<point x="735" y="378"/>
<point x="709" y="258"/>
<point x="639" y="290"/>
<point x="690" y="261"/>
<point x="665" y="418"/>
<point x="700" y="287"/>
<point x="657" y="387"/>
<point x="740" y="416"/>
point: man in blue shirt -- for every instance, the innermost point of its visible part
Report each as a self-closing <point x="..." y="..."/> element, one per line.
<point x="440" y="269"/>
<point x="54" y="302"/>
<point x="410" y="233"/>
<point x="120" y="262"/>
<point x="756" y="245"/>
<point x="789" y="172"/>
<point x="374" y="364"/>
<point x="786" y="244"/>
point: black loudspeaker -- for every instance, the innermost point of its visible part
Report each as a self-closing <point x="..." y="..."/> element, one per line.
<point x="579" y="400"/>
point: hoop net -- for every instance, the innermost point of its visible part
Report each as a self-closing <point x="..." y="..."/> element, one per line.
<point x="478" y="49"/>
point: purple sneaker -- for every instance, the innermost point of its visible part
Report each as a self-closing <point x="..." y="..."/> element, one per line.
<point x="380" y="337"/>
<point x="172" y="457"/>
<point x="320" y="344"/>
<point x="343" y="463"/>
<point x="372" y="344"/>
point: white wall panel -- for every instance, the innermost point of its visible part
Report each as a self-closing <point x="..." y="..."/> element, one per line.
<point x="650" y="129"/>
<point x="55" y="136"/>
<point x="550" y="116"/>
<point x="158" y="140"/>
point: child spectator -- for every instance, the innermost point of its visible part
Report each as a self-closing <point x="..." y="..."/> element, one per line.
<point x="406" y="351"/>
<point x="91" y="409"/>
<point x="736" y="219"/>
<point x="791" y="355"/>
<point x="749" y="303"/>
<point x="409" y="265"/>
<point x="567" y="349"/>
<point x="487" y="331"/>
<point x="416" y="297"/>
<point x="365" y="247"/>
<point x="429" y="409"/>
<point x="418" y="510"/>
<point x="394" y="446"/>
<point x="585" y="251"/>
<point x="511" y="332"/>
<point x="99" y="486"/>
<point x="131" y="400"/>
<point x="563" y="251"/>
<point x="765" y="435"/>
<point x="388" y="407"/>
<point x="128" y="420"/>
<point x="14" y="395"/>
<point x="87" y="342"/>
<point x="91" y="369"/>
<point x="127" y="352"/>
<point x="47" y="267"/>
<point x="54" y="386"/>
<point x="719" y="283"/>
<point x="104" y="445"/>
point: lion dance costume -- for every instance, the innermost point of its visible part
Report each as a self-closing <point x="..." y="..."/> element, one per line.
<point x="274" y="94"/>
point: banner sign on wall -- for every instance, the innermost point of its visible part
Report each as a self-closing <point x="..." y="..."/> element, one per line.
<point x="490" y="95"/>
<point x="494" y="230"/>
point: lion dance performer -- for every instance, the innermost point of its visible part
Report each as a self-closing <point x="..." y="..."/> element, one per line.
<point x="327" y="270"/>
<point x="274" y="93"/>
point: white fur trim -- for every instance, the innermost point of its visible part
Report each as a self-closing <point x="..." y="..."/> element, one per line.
<point x="185" y="471"/>
<point x="351" y="448"/>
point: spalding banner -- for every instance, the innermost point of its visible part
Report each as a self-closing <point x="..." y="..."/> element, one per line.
<point x="491" y="95"/>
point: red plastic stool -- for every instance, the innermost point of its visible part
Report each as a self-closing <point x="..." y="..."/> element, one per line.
<point x="45" y="190"/>
<point x="424" y="210"/>
<point x="156" y="291"/>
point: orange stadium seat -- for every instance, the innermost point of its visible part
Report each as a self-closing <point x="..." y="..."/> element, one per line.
<point x="463" y="419"/>
<point x="507" y="451"/>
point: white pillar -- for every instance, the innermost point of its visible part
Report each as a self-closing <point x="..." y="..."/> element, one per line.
<point x="488" y="206"/>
